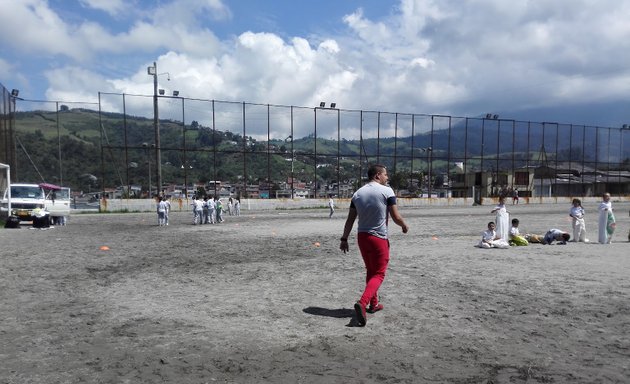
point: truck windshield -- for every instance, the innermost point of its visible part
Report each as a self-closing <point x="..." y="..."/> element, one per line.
<point x="18" y="192"/>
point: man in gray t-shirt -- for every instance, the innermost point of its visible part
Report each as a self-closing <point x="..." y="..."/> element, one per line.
<point x="372" y="204"/>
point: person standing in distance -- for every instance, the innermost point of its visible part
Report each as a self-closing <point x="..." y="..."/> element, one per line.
<point x="607" y="222"/>
<point x="331" y="206"/>
<point x="372" y="204"/>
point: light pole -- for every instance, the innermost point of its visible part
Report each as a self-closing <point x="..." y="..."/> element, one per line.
<point x="483" y="130"/>
<point x="430" y="155"/>
<point x="152" y="71"/>
<point x="322" y="105"/>
<point x="429" y="151"/>
<point x="292" y="159"/>
<point x="484" y="180"/>
<point x="184" y="145"/>
<point x="184" y="165"/>
<point x="315" y="189"/>
<point x="146" y="150"/>
<point x="11" y="142"/>
<point x="334" y="106"/>
<point x="625" y="127"/>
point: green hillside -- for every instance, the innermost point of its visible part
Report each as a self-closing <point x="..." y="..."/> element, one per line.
<point x="74" y="135"/>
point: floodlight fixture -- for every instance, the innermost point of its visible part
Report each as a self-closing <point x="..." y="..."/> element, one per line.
<point x="161" y="91"/>
<point x="175" y="93"/>
<point x="322" y="104"/>
<point x="15" y="92"/>
<point x="333" y="105"/>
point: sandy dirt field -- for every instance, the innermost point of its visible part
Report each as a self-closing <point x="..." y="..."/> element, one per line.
<point x="267" y="297"/>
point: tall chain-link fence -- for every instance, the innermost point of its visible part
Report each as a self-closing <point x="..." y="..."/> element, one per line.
<point x="262" y="150"/>
<point x="7" y="125"/>
<point x="278" y="151"/>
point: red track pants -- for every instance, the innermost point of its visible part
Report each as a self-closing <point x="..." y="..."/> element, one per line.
<point x="375" y="253"/>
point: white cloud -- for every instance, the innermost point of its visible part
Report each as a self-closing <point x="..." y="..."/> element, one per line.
<point x="174" y="25"/>
<point x="468" y="56"/>
<point x="189" y="12"/>
<point x="31" y="26"/>
<point x="330" y="46"/>
<point x="421" y="62"/>
<point x="75" y="83"/>
<point x="112" y="7"/>
<point x="425" y="56"/>
<point x="5" y="68"/>
<point x="263" y="67"/>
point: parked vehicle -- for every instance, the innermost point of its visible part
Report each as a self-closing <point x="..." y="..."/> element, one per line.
<point x="57" y="203"/>
<point x="26" y="200"/>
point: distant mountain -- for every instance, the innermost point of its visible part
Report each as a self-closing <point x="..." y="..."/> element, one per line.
<point x="600" y="114"/>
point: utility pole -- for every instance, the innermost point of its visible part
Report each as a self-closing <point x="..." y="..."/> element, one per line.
<point x="156" y="127"/>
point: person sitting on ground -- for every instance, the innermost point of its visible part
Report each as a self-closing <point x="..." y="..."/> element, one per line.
<point x="515" y="235"/>
<point x="490" y="239"/>
<point x="556" y="235"/>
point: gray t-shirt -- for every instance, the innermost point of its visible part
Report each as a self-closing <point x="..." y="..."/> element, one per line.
<point x="371" y="202"/>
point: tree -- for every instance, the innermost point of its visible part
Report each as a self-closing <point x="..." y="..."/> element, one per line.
<point x="399" y="180"/>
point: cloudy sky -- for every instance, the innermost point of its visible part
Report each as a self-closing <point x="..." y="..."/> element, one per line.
<point x="563" y="60"/>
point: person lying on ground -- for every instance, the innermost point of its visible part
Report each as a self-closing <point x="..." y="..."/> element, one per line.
<point x="556" y="235"/>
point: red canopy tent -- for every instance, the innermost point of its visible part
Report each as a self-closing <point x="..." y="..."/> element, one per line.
<point x="50" y="186"/>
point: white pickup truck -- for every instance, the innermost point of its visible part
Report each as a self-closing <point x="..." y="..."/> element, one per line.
<point x="25" y="199"/>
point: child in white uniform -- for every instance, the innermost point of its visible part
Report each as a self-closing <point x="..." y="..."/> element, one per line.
<point x="197" y="205"/>
<point x="579" y="226"/>
<point x="490" y="239"/>
<point x="502" y="220"/>
<point x="515" y="235"/>
<point x="161" y="211"/>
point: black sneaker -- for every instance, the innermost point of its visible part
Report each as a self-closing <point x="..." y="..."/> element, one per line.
<point x="361" y="316"/>
<point x="374" y="309"/>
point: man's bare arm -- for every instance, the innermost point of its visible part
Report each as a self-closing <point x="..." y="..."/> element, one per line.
<point x="398" y="219"/>
<point x="352" y="216"/>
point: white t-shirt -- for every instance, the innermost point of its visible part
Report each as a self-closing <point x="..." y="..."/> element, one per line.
<point x="577" y="212"/>
<point x="488" y="235"/>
